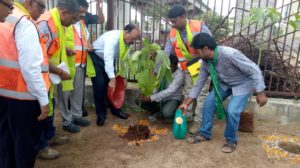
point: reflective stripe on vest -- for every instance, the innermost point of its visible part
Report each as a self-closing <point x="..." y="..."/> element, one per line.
<point x="195" y="27"/>
<point x="16" y="65"/>
<point x="15" y="94"/>
<point x="12" y="83"/>
<point x="80" y="45"/>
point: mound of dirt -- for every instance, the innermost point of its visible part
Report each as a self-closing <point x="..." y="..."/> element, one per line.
<point x="133" y="134"/>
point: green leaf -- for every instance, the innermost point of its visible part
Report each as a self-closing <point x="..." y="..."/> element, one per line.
<point x="146" y="82"/>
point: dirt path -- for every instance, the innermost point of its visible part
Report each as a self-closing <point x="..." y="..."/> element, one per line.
<point x="99" y="147"/>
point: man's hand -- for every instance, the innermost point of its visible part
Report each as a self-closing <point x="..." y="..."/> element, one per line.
<point x="125" y="83"/>
<point x="145" y="98"/>
<point x="70" y="52"/>
<point x="184" y="108"/>
<point x="112" y="84"/>
<point x="185" y="105"/>
<point x="44" y="112"/>
<point x="89" y="47"/>
<point x="64" y="75"/>
<point x="261" y="99"/>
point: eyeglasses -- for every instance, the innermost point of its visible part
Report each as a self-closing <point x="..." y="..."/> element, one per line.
<point x="9" y="6"/>
<point x="42" y="6"/>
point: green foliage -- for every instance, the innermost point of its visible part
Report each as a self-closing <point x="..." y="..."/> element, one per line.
<point x="263" y="16"/>
<point x="143" y="63"/>
<point x="296" y="22"/>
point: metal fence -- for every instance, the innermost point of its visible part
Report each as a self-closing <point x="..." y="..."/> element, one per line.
<point x="226" y="19"/>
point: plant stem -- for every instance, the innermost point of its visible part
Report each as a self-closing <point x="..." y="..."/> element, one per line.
<point x="139" y="116"/>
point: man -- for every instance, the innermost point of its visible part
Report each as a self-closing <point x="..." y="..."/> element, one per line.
<point x="90" y="19"/>
<point x="108" y="47"/>
<point x="178" y="43"/>
<point x="94" y="19"/>
<point x="169" y="98"/>
<point x="52" y="24"/>
<point x="70" y="102"/>
<point x="24" y="84"/>
<point x="6" y="9"/>
<point x="232" y="74"/>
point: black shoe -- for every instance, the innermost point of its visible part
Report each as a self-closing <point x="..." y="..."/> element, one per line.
<point x="100" y="121"/>
<point x="121" y="115"/>
<point x="84" y="112"/>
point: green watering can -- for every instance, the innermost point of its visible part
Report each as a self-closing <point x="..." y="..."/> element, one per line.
<point x="180" y="125"/>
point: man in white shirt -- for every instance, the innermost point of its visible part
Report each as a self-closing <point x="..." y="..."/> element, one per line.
<point x="24" y="86"/>
<point x="107" y="50"/>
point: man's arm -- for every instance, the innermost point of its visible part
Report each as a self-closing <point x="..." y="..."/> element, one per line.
<point x="195" y="91"/>
<point x="100" y="12"/>
<point x="30" y="59"/>
<point x="173" y="87"/>
<point x="95" y="19"/>
<point x="168" y="47"/>
<point x="202" y="77"/>
<point x="249" y="68"/>
<point x="109" y="52"/>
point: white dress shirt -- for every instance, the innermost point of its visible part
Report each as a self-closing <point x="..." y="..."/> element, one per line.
<point x="30" y="59"/>
<point x="107" y="48"/>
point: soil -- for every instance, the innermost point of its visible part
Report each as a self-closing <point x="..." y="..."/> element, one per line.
<point x="290" y="147"/>
<point x="101" y="147"/>
<point x="134" y="134"/>
<point x="246" y="122"/>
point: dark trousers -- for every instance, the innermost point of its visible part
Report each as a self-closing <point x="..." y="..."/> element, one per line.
<point x="167" y="108"/>
<point x="19" y="132"/>
<point x="47" y="130"/>
<point x="100" y="84"/>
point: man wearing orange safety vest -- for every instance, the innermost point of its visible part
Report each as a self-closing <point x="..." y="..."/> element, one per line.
<point x="24" y="84"/>
<point x="52" y="25"/>
<point x="178" y="43"/>
<point x="70" y="102"/>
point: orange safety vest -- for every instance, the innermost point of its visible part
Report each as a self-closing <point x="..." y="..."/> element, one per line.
<point x="12" y="83"/>
<point x="80" y="45"/>
<point x="195" y="26"/>
<point x="54" y="45"/>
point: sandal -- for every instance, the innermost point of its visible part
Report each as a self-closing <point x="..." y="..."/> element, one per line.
<point x="228" y="147"/>
<point x="196" y="138"/>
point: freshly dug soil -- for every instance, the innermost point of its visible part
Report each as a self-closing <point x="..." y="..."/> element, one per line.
<point x="246" y="122"/>
<point x="134" y="135"/>
<point x="290" y="147"/>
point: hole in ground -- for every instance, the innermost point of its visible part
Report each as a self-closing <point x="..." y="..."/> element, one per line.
<point x="290" y="147"/>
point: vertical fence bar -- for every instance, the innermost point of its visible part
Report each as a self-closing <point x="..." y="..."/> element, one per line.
<point x="229" y="5"/>
<point x="110" y="14"/>
<point x="285" y="38"/>
<point x="160" y="32"/>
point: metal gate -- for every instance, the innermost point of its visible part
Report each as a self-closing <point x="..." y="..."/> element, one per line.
<point x="226" y="19"/>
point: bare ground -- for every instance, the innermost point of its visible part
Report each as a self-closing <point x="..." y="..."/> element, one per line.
<point x="100" y="147"/>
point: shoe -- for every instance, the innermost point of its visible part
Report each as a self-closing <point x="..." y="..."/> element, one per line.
<point x="194" y="128"/>
<point x="48" y="154"/>
<point x="84" y="112"/>
<point x="72" y="128"/>
<point x="121" y="115"/>
<point x="100" y="121"/>
<point x="196" y="138"/>
<point x="81" y="122"/>
<point x="153" y="117"/>
<point x="59" y="140"/>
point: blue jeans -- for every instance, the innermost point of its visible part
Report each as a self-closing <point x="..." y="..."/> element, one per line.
<point x="235" y="107"/>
